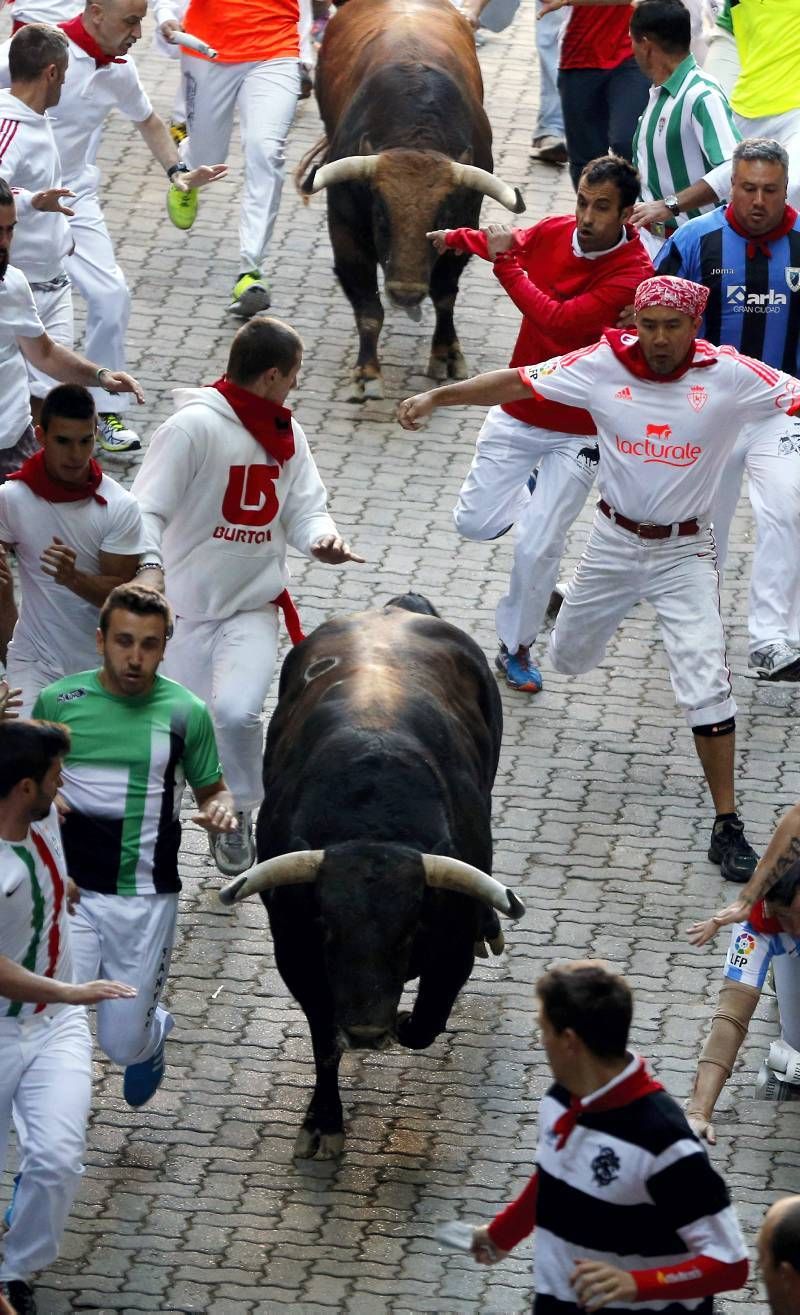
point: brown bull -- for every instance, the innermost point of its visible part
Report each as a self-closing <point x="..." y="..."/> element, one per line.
<point x="408" y="149"/>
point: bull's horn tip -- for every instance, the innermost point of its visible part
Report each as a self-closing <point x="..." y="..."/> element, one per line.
<point x="519" y="206"/>
<point x="228" y="894"/>
<point x="307" y="185"/>
<point x="515" y="906"/>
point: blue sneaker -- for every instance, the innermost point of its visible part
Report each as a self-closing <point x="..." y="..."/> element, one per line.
<point x="142" y="1080"/>
<point x="10" y="1208"/>
<point x="519" y="671"/>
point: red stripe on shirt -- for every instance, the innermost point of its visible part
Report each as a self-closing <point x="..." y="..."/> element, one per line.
<point x="54" y="936"/>
<point x="8" y="130"/>
<point x="763" y="371"/>
<point x="702" y="1276"/>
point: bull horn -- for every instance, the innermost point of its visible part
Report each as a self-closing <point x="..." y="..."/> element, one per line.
<point x="347" y="170"/>
<point x="469" y="175"/>
<point x="452" y="874"/>
<point x="284" y="870"/>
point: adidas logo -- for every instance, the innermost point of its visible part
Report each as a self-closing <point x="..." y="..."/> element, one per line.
<point x="624" y="395"/>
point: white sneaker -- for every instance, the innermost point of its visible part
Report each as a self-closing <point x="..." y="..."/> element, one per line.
<point x="774" y="660"/>
<point x="234" y="851"/>
<point x="113" y="435"/>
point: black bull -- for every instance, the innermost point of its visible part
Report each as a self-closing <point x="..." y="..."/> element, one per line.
<point x="408" y="149"/>
<point x="378" y="771"/>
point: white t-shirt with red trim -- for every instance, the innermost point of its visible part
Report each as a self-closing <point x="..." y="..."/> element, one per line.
<point x="19" y="318"/>
<point x="34" y="931"/>
<point x="664" y="444"/>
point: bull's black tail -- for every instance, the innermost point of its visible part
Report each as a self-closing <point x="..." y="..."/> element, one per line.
<point x="413" y="603"/>
<point x="310" y="162"/>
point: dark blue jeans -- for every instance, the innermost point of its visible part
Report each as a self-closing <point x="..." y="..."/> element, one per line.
<point x="601" y="109"/>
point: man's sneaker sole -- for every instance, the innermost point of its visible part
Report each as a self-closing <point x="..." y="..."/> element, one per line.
<point x="791" y="672"/>
<point x="251" y="302"/>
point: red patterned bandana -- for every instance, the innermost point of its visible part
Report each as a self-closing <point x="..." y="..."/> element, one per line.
<point x="677" y="294"/>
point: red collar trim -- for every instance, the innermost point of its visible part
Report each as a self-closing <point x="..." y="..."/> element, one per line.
<point x="762" y="243"/>
<point x="76" y="32"/>
<point x="269" y="424"/>
<point x="638" y="1083"/>
<point x="33" y="472"/>
<point x="625" y="347"/>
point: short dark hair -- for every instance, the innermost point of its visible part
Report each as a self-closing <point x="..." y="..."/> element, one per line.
<point x="28" y="750"/>
<point x="666" y="22"/>
<point x="69" y="402"/>
<point x="138" y="599"/>
<point x="259" y="345"/>
<point x="761" y="148"/>
<point x="6" y="194"/>
<point x="786" y="887"/>
<point x="785" y="1239"/>
<point x="33" y="49"/>
<point x="596" y="1003"/>
<point x="616" y="170"/>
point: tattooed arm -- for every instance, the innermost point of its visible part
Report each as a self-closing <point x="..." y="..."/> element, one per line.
<point x="782" y="852"/>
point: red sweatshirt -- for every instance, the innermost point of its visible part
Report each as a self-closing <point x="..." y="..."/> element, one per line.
<point x="566" y="300"/>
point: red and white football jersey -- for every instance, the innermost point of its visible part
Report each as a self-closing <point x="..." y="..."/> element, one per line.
<point x="664" y="442"/>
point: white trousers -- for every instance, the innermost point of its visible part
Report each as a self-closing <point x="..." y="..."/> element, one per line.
<point x="494" y="495"/>
<point x="31" y="678"/>
<point x="98" y="278"/>
<point x="783" y="128"/>
<point x="786" y="969"/>
<point x="56" y="313"/>
<point x="45" y="1084"/>
<point x="679" y="578"/>
<point x="127" y="938"/>
<point x="770" y="453"/>
<point x="229" y="665"/>
<point x="265" y="94"/>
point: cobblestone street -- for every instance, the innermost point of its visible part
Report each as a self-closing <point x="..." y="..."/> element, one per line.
<point x="601" y="823"/>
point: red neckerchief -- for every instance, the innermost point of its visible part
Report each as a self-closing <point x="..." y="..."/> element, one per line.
<point x="270" y="425"/>
<point x="77" y="32"/>
<point x="625" y="347"/>
<point x="33" y="472"/>
<point x="638" y="1084"/>
<point x="755" y="244"/>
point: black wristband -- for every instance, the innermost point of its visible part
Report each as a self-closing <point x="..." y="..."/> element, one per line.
<point x="177" y="169"/>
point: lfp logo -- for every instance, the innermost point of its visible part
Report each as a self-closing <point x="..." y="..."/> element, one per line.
<point x="744" y="943"/>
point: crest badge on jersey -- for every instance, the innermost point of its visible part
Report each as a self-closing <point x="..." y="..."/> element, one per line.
<point x="792" y="273"/>
<point x="697" y="396"/>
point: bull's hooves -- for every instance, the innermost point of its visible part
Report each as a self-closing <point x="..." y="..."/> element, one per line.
<point x="437" y="369"/>
<point x="315" y="1145"/>
<point x="457" y="367"/>
<point x="373" y="388"/>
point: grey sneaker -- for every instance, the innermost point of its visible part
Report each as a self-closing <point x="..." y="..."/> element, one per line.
<point x="234" y="851"/>
<point x="777" y="661"/>
<point x="114" y="436"/>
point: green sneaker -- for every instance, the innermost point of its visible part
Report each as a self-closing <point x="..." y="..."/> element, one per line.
<point x="250" y="295"/>
<point x="182" y="206"/>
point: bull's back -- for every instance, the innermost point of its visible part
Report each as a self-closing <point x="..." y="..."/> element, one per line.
<point x="367" y="35"/>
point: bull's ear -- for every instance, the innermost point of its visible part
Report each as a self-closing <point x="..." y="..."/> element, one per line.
<point x="365" y="146"/>
<point x="466" y="157"/>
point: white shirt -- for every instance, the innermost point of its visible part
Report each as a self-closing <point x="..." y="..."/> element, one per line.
<point x="29" y="163"/>
<point x="44" y="11"/>
<point x="19" y="318"/>
<point x="56" y="629"/>
<point x="663" y="445"/>
<point x="88" y="96"/>
<point x="218" y="520"/>
<point x="33" y="929"/>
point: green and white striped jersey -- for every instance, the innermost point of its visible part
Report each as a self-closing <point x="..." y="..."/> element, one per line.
<point x="686" y="129"/>
<point x="124" y="777"/>
<point x="33" y="926"/>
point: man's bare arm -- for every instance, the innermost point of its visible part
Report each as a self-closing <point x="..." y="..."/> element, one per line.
<point x="483" y="390"/>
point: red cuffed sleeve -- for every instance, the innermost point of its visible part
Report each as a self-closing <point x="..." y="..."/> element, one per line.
<point x="518" y="1220"/>
<point x="701" y="1276"/>
<point x="467" y="239"/>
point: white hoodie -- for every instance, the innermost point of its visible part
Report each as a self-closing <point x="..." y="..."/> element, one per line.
<point x="29" y="163"/>
<point x="205" y="489"/>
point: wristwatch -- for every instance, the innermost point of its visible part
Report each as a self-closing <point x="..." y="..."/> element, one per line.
<point x="177" y="169"/>
<point x="672" y="203"/>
